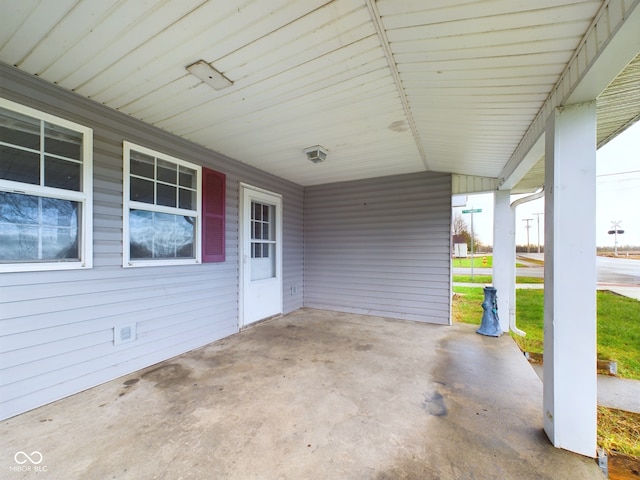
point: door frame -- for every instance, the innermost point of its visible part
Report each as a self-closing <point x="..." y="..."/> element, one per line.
<point x="244" y="255"/>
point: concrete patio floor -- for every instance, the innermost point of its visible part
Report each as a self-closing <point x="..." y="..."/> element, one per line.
<point x="310" y="395"/>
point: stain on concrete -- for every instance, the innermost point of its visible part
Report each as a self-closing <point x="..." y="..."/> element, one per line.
<point x="364" y="348"/>
<point x="433" y="404"/>
<point x="167" y="376"/>
<point x="411" y="469"/>
<point x="130" y="382"/>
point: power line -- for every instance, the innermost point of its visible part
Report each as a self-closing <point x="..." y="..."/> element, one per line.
<point x="618" y="173"/>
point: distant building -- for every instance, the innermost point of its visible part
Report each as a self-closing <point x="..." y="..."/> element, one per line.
<point x="459" y="246"/>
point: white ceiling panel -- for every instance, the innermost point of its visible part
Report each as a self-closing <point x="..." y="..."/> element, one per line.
<point x="111" y="40"/>
<point x="387" y="86"/>
<point x="336" y="68"/>
<point x="65" y="34"/>
<point x="29" y="27"/>
<point x="16" y="14"/>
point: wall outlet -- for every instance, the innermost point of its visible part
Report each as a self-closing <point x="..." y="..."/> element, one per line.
<point x="124" y="333"/>
<point x="294" y="289"/>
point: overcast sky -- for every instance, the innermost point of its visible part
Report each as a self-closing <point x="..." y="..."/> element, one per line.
<point x="617" y="198"/>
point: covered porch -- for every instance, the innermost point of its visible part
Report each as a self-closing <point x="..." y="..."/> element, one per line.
<point x="413" y="102"/>
<point x="312" y="394"/>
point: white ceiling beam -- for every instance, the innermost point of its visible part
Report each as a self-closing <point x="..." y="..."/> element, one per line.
<point x="384" y="42"/>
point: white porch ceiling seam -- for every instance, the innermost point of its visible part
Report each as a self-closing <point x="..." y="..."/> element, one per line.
<point x="384" y="42"/>
<point x="612" y="16"/>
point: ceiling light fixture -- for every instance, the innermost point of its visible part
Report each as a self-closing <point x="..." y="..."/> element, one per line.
<point x="209" y="75"/>
<point x="316" y="154"/>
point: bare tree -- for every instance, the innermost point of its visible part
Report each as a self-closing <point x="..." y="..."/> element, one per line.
<point x="460" y="227"/>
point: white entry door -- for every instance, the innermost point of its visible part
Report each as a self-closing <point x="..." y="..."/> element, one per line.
<point x="261" y="255"/>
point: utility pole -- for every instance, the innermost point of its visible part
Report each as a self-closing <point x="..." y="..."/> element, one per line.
<point x="538" y="215"/>
<point x="528" y="227"/>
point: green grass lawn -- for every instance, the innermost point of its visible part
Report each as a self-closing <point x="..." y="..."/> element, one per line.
<point x="619" y="332"/>
<point x="489" y="279"/>
<point x="477" y="261"/>
<point x="618" y="324"/>
<point x="476" y="279"/>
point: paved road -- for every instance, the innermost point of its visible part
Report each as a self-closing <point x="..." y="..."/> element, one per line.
<point x="621" y="271"/>
<point x="520" y="271"/>
<point x="618" y="270"/>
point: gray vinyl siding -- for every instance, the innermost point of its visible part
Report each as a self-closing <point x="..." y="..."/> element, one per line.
<point x="56" y="327"/>
<point x="380" y="247"/>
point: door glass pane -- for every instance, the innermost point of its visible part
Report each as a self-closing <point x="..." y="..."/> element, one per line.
<point x="263" y="258"/>
<point x="263" y="263"/>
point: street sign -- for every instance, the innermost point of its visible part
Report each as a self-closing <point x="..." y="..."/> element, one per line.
<point x="474" y="210"/>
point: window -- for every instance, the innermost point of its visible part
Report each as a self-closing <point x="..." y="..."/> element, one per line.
<point x="45" y="191"/>
<point x="263" y="243"/>
<point x="162" y="220"/>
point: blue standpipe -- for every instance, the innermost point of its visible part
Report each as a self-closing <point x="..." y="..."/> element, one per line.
<point x="490" y="325"/>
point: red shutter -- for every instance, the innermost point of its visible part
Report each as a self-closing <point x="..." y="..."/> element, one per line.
<point x="213" y="208"/>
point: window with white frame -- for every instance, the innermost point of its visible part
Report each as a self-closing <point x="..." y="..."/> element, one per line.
<point x="45" y="191"/>
<point x="162" y="219"/>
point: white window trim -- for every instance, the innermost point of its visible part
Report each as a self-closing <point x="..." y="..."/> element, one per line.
<point x="127" y="204"/>
<point x="85" y="196"/>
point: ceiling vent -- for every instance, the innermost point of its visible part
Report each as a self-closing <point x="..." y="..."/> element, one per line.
<point x="316" y="154"/>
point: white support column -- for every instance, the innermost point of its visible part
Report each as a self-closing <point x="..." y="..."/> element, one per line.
<point x="504" y="257"/>
<point x="570" y="382"/>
